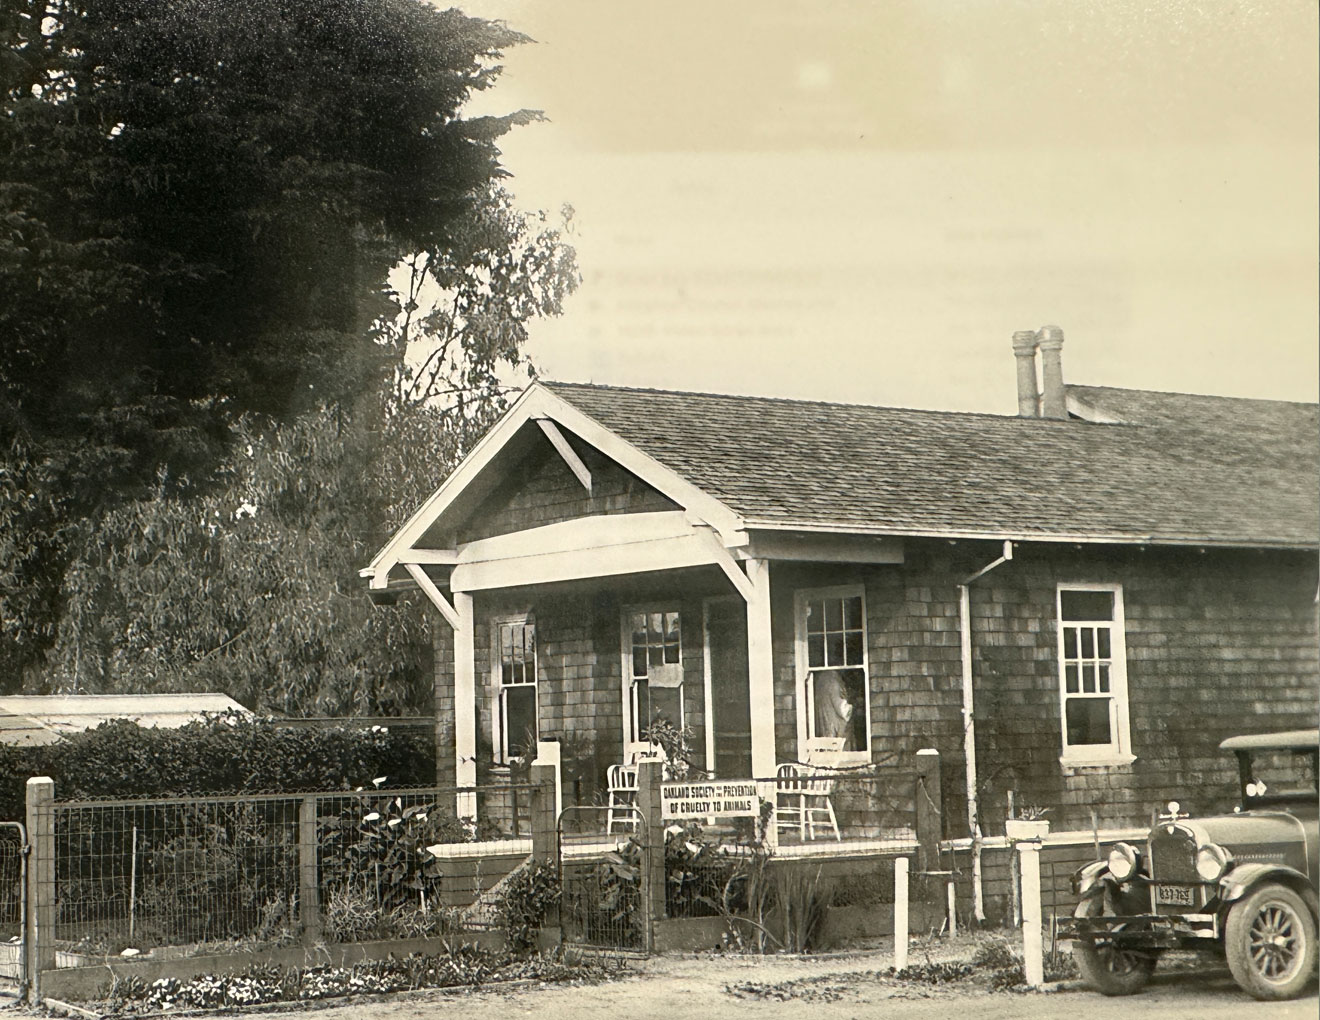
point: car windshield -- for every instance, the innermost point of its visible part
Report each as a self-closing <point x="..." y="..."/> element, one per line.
<point x="1280" y="773"/>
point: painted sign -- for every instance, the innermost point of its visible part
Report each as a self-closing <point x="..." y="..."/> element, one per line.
<point x="719" y="799"/>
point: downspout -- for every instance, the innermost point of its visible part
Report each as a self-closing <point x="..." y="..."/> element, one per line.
<point x="969" y="724"/>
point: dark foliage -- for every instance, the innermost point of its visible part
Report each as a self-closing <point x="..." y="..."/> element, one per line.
<point x="528" y="895"/>
<point x="200" y="202"/>
<point x="225" y="755"/>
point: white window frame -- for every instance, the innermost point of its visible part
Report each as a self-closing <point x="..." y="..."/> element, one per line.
<point x="499" y="738"/>
<point x="633" y="744"/>
<point x="804" y="690"/>
<point x="1119" y="750"/>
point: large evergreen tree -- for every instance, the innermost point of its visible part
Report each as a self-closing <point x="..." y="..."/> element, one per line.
<point x="201" y="202"/>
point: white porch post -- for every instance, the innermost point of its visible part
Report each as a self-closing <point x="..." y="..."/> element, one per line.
<point x="761" y="684"/>
<point x="465" y="706"/>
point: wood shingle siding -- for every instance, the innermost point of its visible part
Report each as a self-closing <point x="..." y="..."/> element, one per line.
<point x="545" y="491"/>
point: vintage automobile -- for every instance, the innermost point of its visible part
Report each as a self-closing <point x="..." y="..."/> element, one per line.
<point x="1240" y="884"/>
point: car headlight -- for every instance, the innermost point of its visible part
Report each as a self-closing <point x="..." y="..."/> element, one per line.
<point x="1122" y="862"/>
<point x="1211" y="862"/>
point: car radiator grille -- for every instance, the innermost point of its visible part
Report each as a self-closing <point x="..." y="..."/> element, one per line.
<point x="1173" y="855"/>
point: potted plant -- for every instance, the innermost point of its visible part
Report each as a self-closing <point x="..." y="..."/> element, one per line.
<point x="1030" y="823"/>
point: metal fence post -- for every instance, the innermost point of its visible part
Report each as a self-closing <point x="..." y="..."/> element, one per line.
<point x="39" y="924"/>
<point x="309" y="893"/>
<point x="900" y="913"/>
<point x="930" y="809"/>
<point x="1034" y="965"/>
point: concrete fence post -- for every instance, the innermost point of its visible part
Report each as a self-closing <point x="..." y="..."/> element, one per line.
<point x="929" y="809"/>
<point x="1033" y="963"/>
<point x="39" y="924"/>
<point x="545" y="840"/>
<point x="309" y="887"/>
<point x="545" y="819"/>
<point x="900" y="913"/>
<point x="649" y="776"/>
<point x="548" y="753"/>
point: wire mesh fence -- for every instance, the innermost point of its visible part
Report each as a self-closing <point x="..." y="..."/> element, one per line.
<point x="175" y="871"/>
<point x="12" y="901"/>
<point x="183" y="871"/>
<point x="602" y="876"/>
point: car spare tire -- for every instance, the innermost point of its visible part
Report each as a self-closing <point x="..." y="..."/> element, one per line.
<point x="1269" y="939"/>
<point x="1106" y="964"/>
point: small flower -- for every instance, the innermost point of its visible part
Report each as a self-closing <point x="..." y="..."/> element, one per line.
<point x="373" y="817"/>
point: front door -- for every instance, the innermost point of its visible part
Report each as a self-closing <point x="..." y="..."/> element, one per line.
<point x="726" y="644"/>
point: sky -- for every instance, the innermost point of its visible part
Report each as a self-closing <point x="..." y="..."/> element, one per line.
<point x="863" y="201"/>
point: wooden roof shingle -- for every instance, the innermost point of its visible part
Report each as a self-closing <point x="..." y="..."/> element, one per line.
<point x="1169" y="468"/>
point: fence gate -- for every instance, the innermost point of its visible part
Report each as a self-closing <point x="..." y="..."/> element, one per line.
<point x="13" y="904"/>
<point x="603" y="878"/>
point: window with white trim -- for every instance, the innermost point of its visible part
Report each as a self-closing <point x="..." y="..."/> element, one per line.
<point x="1092" y="673"/>
<point x="655" y="669"/>
<point x="516" y="711"/>
<point x="834" y="702"/>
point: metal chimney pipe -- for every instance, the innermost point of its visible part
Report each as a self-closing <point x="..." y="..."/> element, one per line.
<point x="1053" y="402"/>
<point x="1024" y="350"/>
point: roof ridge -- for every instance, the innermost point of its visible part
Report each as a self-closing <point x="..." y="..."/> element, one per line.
<point x="808" y="401"/>
<point x="799" y="401"/>
<point x="1199" y="396"/>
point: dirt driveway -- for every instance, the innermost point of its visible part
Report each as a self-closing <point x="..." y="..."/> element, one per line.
<point x="834" y="988"/>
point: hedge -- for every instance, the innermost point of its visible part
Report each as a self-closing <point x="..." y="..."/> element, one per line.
<point x="222" y="755"/>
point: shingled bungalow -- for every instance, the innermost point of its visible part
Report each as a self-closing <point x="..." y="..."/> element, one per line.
<point x="1077" y="603"/>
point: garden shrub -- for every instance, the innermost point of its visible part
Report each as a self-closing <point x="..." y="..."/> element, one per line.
<point x="224" y="754"/>
<point x="527" y="896"/>
<point x="701" y="879"/>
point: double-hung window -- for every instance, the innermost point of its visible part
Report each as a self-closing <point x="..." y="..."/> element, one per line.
<point x="1093" y="674"/>
<point x="655" y="669"/>
<point x="834" y="703"/>
<point x="516" y="717"/>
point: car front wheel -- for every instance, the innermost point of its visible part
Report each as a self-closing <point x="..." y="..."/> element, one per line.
<point x="1269" y="939"/>
<point x="1106" y="964"/>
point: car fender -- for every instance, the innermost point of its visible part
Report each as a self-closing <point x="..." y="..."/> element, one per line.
<point x="1246" y="877"/>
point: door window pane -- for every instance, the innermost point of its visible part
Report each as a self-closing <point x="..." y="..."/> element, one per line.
<point x="520" y="719"/>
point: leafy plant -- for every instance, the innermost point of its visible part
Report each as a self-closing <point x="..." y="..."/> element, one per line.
<point x="698" y="873"/>
<point x="382" y="846"/>
<point x="527" y="897"/>
<point x="675" y="743"/>
<point x="803" y="903"/>
<point x="353" y="915"/>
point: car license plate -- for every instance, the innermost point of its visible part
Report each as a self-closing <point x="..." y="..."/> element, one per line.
<point x="1174" y="895"/>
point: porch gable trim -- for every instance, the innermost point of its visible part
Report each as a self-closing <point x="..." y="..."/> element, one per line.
<point x="580" y="470"/>
<point x="586" y="547"/>
<point x="537" y="403"/>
